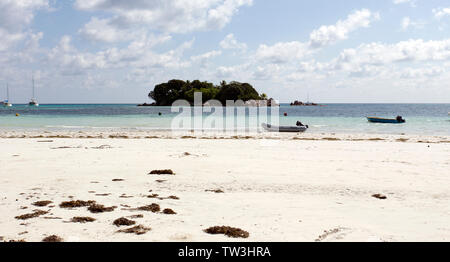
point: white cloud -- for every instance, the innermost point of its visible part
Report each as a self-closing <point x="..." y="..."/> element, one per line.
<point x="266" y="72"/>
<point x="327" y="35"/>
<point x="8" y="39"/>
<point x="422" y="72"/>
<point x="441" y="12"/>
<point x="15" y="16"/>
<point x="138" y="54"/>
<point x="411" y="2"/>
<point x="284" y="52"/>
<point x="401" y="1"/>
<point x="101" y="30"/>
<point x="410" y="50"/>
<point x="230" y="42"/>
<point x="234" y="72"/>
<point x="408" y="23"/>
<point x="382" y="60"/>
<point x="171" y="16"/>
<point x="203" y="59"/>
<point x="406" y="63"/>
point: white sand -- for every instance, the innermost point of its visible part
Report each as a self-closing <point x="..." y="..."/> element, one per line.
<point x="277" y="190"/>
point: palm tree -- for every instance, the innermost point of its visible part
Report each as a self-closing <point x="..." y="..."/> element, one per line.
<point x="264" y="96"/>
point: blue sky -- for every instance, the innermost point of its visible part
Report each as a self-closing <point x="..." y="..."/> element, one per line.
<point x="111" y="51"/>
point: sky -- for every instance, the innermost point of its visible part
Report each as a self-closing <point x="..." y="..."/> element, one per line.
<point x="116" y="51"/>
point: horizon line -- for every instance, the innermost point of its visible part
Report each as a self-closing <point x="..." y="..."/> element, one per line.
<point x="281" y="103"/>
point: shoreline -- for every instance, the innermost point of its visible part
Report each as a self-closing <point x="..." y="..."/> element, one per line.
<point x="404" y="138"/>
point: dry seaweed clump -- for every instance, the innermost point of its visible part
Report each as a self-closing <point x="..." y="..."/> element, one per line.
<point x="138" y="230"/>
<point x="96" y="208"/>
<point x="82" y="219"/>
<point x="123" y="222"/>
<point x="153" y="196"/>
<point x="76" y="203"/>
<point x="42" y="203"/>
<point x="173" y="197"/>
<point x="52" y="238"/>
<point x="379" y="196"/>
<point x="327" y="233"/>
<point x="36" y="213"/>
<point x="162" y="172"/>
<point x="17" y="241"/>
<point x="137" y="216"/>
<point x="228" y="231"/>
<point x="169" y="211"/>
<point x="153" y="208"/>
<point x="217" y="191"/>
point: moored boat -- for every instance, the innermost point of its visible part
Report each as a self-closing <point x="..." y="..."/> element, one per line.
<point x="6" y="103"/>
<point x="33" y="101"/>
<point x="284" y="129"/>
<point x="397" y="120"/>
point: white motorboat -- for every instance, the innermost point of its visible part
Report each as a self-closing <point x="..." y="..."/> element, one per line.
<point x="284" y="129"/>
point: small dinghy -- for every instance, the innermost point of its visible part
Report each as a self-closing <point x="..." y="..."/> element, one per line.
<point x="398" y="120"/>
<point x="284" y="129"/>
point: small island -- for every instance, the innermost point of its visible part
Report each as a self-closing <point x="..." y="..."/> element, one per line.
<point x="165" y="94"/>
<point x="299" y="103"/>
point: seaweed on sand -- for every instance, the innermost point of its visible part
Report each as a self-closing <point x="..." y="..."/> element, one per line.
<point x="123" y="222"/>
<point x="379" y="196"/>
<point x="36" y="213"/>
<point x="162" y="172"/>
<point x="173" y="197"/>
<point x="105" y="194"/>
<point x="331" y="139"/>
<point x="136" y="216"/>
<point x="125" y="196"/>
<point x="76" y="203"/>
<point x="153" y="208"/>
<point x="327" y="233"/>
<point x="169" y="211"/>
<point x="153" y="196"/>
<point x="228" y="231"/>
<point x="218" y="191"/>
<point x="82" y="219"/>
<point x="42" y="203"/>
<point x="52" y="238"/>
<point x="138" y="230"/>
<point x="102" y="147"/>
<point x="97" y="208"/>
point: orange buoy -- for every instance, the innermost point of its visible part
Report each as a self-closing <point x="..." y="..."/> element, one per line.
<point x="17" y="114"/>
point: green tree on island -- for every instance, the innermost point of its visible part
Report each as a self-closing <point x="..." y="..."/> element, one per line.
<point x="166" y="93"/>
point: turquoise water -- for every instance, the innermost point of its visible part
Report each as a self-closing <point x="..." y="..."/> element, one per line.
<point x="426" y="119"/>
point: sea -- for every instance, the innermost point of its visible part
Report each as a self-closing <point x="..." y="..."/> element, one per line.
<point x="421" y="119"/>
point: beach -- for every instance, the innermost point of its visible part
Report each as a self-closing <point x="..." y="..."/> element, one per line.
<point x="277" y="187"/>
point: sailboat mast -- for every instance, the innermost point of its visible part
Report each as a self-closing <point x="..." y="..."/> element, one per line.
<point x="32" y="80"/>
<point x="7" y="91"/>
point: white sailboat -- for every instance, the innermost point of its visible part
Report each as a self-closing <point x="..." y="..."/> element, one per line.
<point x="6" y="102"/>
<point x="33" y="101"/>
